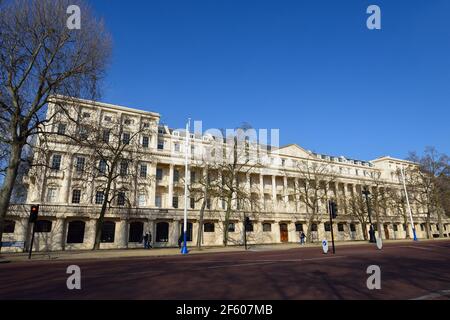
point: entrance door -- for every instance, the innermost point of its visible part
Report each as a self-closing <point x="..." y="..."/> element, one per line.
<point x="284" y="232"/>
<point x="386" y="232"/>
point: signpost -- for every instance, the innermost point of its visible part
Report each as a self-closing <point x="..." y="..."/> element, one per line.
<point x="332" y="209"/>
<point x="34" y="212"/>
<point x="325" y="246"/>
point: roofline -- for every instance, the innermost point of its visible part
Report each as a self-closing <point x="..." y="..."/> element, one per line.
<point x="383" y="158"/>
<point x="92" y="103"/>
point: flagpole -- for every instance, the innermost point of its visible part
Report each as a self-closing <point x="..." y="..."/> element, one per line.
<point x="409" y="206"/>
<point x="184" y="249"/>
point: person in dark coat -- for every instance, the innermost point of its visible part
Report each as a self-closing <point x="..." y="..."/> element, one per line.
<point x="302" y="238"/>
<point x="180" y="240"/>
<point x="146" y="241"/>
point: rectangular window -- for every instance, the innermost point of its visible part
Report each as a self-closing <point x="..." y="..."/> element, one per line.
<point x="352" y="227"/>
<point x="192" y="176"/>
<point x="102" y="166"/>
<point x="176" y="176"/>
<point x="231" y="227"/>
<point x="126" y="138"/>
<point x="192" y="203"/>
<point x="43" y="226"/>
<point x="159" y="174"/>
<point x="51" y="195"/>
<point x="249" y="227"/>
<point x="123" y="168"/>
<point x="9" y="226"/>
<point x="208" y="203"/>
<point x="142" y="201"/>
<point x="145" y="141"/>
<point x="108" y="118"/>
<point x="143" y="171"/>
<point x="61" y="128"/>
<point x="86" y="115"/>
<point x="340" y="227"/>
<point x="267" y="227"/>
<point x="298" y="227"/>
<point x="395" y="227"/>
<point x="160" y="144"/>
<point x="158" y="201"/>
<point x="224" y="204"/>
<point x="327" y="226"/>
<point x="176" y="147"/>
<point x="175" y="202"/>
<point x="83" y="132"/>
<point x="99" y="196"/>
<point x="56" y="162"/>
<point x="121" y="198"/>
<point x="79" y="167"/>
<point x="76" y="196"/>
<point x="208" y="227"/>
<point x="105" y="135"/>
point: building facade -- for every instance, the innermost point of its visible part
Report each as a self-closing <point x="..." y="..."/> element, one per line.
<point x="153" y="200"/>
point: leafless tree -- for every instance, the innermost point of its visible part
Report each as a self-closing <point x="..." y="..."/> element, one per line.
<point x="41" y="57"/>
<point x="115" y="167"/>
<point x="428" y="184"/>
<point x="316" y="181"/>
<point x="357" y="209"/>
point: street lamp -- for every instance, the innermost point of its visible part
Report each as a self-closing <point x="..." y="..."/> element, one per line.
<point x="366" y="193"/>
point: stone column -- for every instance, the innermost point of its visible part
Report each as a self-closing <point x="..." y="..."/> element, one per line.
<point x="60" y="239"/>
<point x="285" y="191"/>
<point x="274" y="193"/>
<point x="170" y="183"/>
<point x="152" y="184"/>
<point x="122" y="233"/>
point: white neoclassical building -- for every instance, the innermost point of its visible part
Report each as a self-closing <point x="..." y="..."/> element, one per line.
<point x="70" y="202"/>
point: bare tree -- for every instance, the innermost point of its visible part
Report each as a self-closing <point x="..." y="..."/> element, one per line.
<point x="40" y="57"/>
<point x="115" y="167"/>
<point x="316" y="181"/>
<point x="357" y="209"/>
<point x="428" y="184"/>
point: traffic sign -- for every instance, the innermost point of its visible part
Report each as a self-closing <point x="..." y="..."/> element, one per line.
<point x="325" y="246"/>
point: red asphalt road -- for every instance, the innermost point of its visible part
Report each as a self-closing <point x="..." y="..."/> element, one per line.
<point x="408" y="270"/>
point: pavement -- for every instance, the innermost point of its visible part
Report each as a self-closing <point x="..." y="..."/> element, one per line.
<point x="157" y="252"/>
<point x="409" y="270"/>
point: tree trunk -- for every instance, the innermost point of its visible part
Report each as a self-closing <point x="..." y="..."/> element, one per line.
<point x="200" y="225"/>
<point x="8" y="184"/>
<point x="101" y="218"/>
<point x="427" y="225"/>
<point x="364" y="230"/>
<point x="227" y="222"/>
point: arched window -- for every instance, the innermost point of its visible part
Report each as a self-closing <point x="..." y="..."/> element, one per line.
<point x="43" y="226"/>
<point x="75" y="232"/>
<point x="267" y="227"/>
<point x="189" y="231"/>
<point x="208" y="227"/>
<point x="108" y="231"/>
<point x="136" y="231"/>
<point x="162" y="232"/>
<point x="9" y="226"/>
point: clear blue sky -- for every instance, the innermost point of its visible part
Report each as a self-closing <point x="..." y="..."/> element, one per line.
<point x="310" y="68"/>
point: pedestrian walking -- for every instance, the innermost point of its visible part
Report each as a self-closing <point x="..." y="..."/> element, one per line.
<point x="180" y="240"/>
<point x="146" y="241"/>
<point x="302" y="237"/>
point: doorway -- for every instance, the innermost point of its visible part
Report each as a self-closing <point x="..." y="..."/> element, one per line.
<point x="284" y="237"/>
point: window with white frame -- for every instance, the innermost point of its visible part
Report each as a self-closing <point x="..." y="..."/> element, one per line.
<point x="158" y="201"/>
<point x="99" y="197"/>
<point x="76" y="196"/>
<point x="142" y="199"/>
<point x="79" y="166"/>
<point x="143" y="170"/>
<point x="56" y="162"/>
<point x="52" y="194"/>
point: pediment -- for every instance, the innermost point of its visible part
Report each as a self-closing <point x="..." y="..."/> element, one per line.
<point x="294" y="150"/>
